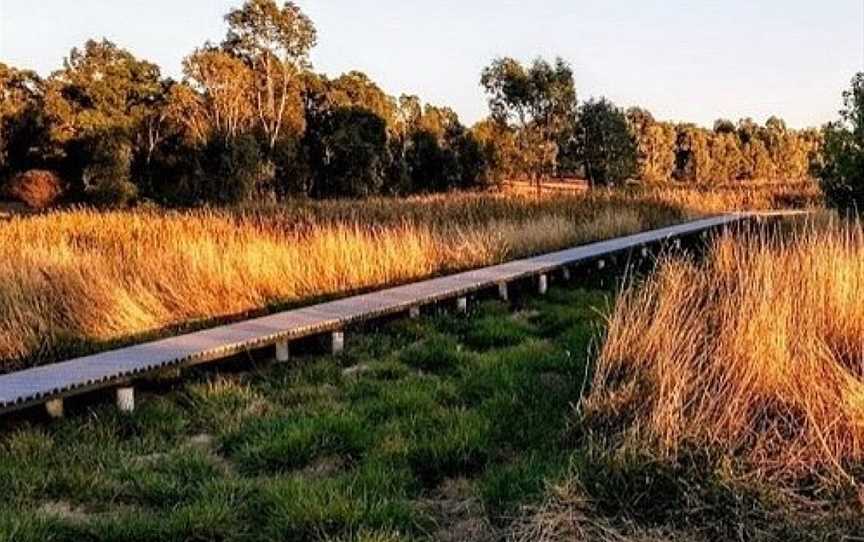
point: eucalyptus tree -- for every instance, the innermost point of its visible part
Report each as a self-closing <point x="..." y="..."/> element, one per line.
<point x="96" y="106"/>
<point x="604" y="143"/>
<point x="275" y="42"/>
<point x="538" y="102"/>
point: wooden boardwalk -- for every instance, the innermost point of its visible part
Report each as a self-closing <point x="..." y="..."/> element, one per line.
<point x="49" y="384"/>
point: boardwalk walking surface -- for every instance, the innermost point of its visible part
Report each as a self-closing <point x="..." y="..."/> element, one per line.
<point x="40" y="384"/>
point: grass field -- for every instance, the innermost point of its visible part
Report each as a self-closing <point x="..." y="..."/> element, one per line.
<point x="435" y="429"/>
<point x="78" y="281"/>
<point x="583" y="415"/>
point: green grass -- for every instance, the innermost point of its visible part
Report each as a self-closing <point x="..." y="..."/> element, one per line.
<point x="366" y="446"/>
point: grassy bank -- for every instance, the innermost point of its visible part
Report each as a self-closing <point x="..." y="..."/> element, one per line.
<point x="75" y="282"/>
<point x="436" y="429"/>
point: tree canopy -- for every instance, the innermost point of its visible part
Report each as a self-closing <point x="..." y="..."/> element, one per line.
<point x="251" y="118"/>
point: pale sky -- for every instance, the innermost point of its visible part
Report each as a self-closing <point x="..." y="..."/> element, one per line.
<point x="693" y="60"/>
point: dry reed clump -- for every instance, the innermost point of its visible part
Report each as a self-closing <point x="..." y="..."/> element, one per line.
<point x="755" y="354"/>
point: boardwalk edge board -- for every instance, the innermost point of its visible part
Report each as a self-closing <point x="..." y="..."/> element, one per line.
<point x="51" y="383"/>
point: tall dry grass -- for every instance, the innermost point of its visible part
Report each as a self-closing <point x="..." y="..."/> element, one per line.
<point x="71" y="281"/>
<point x="755" y="354"/>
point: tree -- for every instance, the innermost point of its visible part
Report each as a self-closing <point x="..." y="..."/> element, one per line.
<point x="538" y="103"/>
<point x="22" y="124"/>
<point x="348" y="152"/>
<point x="724" y="126"/>
<point x="604" y="144"/>
<point x="655" y="144"/>
<point x="275" y="43"/>
<point x="216" y="98"/>
<point x="103" y="92"/>
<point x="498" y="147"/>
<point x="841" y="171"/>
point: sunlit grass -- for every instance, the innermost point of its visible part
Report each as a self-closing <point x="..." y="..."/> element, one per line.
<point x="73" y="281"/>
<point x="755" y="354"/>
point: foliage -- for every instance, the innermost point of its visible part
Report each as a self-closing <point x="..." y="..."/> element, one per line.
<point x="231" y="169"/>
<point x="107" y="176"/>
<point x="349" y="153"/>
<point x="275" y="43"/>
<point x="102" y="89"/>
<point x="258" y="83"/>
<point x="841" y="170"/>
<point x="538" y="103"/>
<point x="655" y="145"/>
<point x="37" y="188"/>
<point x="604" y="144"/>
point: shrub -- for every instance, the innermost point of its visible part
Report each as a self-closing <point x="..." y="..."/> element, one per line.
<point x="232" y="168"/>
<point x="37" y="188"/>
<point x="107" y="176"/>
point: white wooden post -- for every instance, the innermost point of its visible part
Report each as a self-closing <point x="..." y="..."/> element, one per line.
<point x="283" y="353"/>
<point x="601" y="264"/>
<point x="414" y="313"/>
<point x="337" y="342"/>
<point x="125" y="399"/>
<point x="462" y="305"/>
<point x="644" y="252"/>
<point x="502" y="291"/>
<point x="565" y="272"/>
<point x="54" y="408"/>
<point x="542" y="284"/>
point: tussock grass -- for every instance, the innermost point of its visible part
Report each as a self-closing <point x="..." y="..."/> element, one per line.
<point x="754" y="355"/>
<point x="77" y="281"/>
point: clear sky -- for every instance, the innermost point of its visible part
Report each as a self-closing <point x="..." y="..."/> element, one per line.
<point x="690" y="60"/>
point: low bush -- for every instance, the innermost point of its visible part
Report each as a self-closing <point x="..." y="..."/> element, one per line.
<point x="37" y="188"/>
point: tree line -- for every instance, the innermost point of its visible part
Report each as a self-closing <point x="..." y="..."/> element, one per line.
<point x="251" y="118"/>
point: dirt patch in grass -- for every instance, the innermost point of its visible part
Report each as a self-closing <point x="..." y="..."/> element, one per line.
<point x="458" y="514"/>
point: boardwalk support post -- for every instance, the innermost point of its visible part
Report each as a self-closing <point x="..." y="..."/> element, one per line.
<point x="283" y="353"/>
<point x="54" y="408"/>
<point x="125" y="399"/>
<point x="502" y="291"/>
<point x="644" y="252"/>
<point x="462" y="305"/>
<point x="565" y="273"/>
<point x="601" y="264"/>
<point x="337" y="342"/>
<point x="542" y="284"/>
<point x="414" y="313"/>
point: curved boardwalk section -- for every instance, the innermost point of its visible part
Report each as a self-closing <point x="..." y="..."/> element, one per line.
<point x="50" y="383"/>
